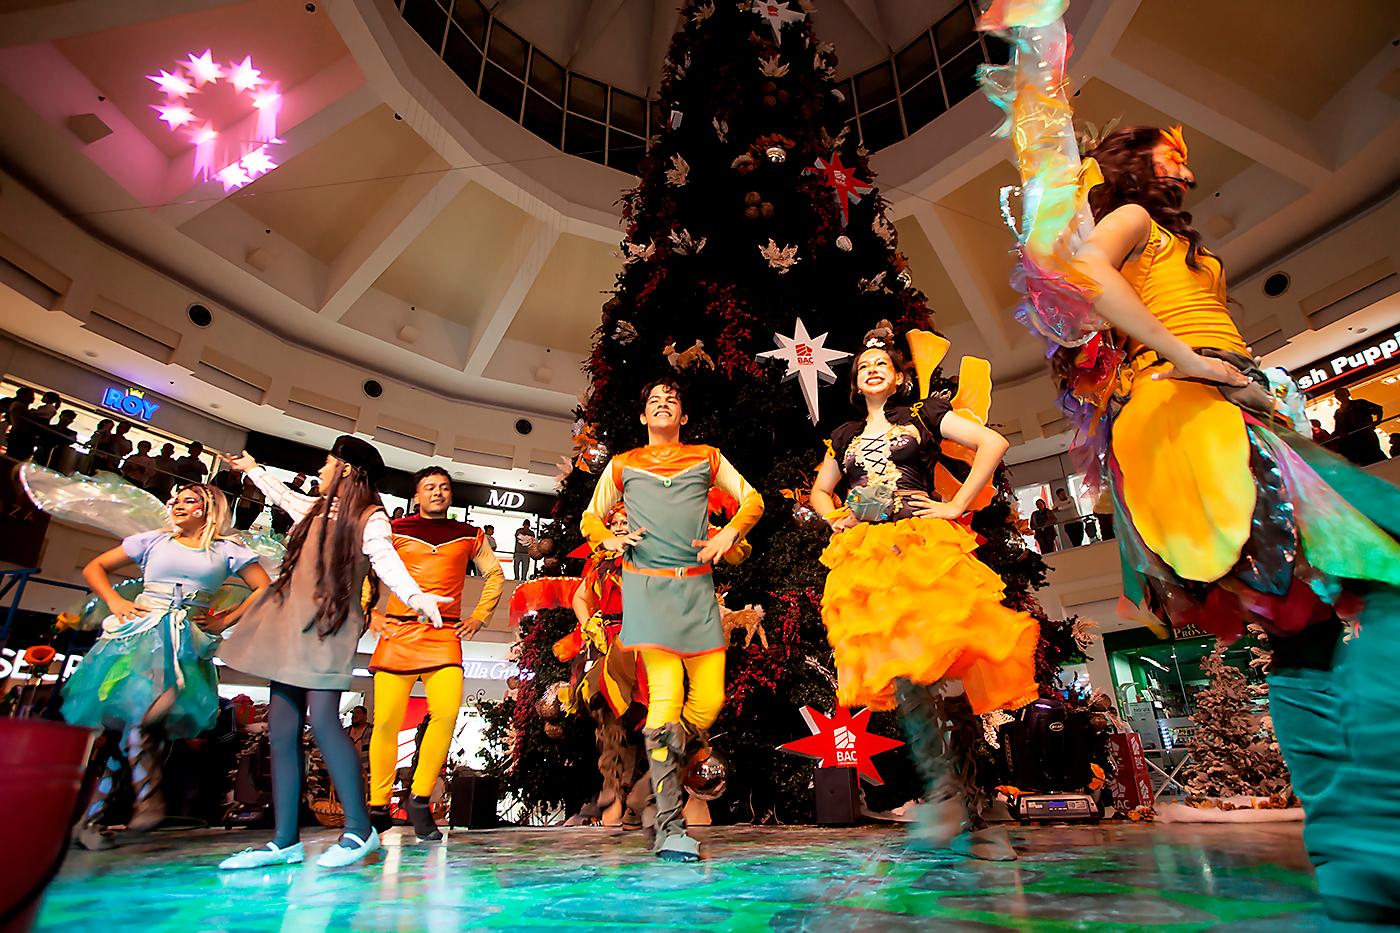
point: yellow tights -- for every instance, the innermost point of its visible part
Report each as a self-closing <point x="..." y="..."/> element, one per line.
<point x="444" y="689"/>
<point x="668" y="699"/>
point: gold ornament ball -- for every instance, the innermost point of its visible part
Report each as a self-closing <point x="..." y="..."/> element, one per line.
<point x="905" y="278"/>
<point x="553" y="731"/>
<point x="776" y="154"/>
<point x="766" y="209"/>
<point x="843" y="242"/>
<point x="753" y="197"/>
<point x="594" y="456"/>
<point x="751" y="213"/>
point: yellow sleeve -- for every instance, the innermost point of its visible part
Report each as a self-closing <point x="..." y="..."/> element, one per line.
<point x="490" y="568"/>
<point x="606" y="494"/>
<point x="750" y="502"/>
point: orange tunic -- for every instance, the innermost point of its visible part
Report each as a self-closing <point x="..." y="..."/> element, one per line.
<point x="436" y="553"/>
<point x="1182" y="449"/>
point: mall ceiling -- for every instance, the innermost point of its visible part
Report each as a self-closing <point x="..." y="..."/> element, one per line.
<point x="414" y="229"/>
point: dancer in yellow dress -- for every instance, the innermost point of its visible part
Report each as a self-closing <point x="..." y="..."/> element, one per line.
<point x="910" y="612"/>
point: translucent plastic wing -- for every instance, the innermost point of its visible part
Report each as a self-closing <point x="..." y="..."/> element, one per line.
<point x="86" y="614"/>
<point x="1033" y="91"/>
<point x="105" y="503"/>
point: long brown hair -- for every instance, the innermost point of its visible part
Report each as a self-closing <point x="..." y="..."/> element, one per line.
<point x="342" y="504"/>
<point x="1130" y="178"/>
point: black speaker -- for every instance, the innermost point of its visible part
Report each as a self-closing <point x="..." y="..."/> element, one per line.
<point x="838" y="796"/>
<point x="473" y="801"/>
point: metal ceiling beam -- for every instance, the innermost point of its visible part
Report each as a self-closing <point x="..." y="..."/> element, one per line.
<point x="1218" y="107"/>
<point x="417" y="201"/>
<point x="518" y="273"/>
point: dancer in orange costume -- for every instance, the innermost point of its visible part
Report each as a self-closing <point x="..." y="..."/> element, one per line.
<point x="437" y="551"/>
<point x="910" y="612"/>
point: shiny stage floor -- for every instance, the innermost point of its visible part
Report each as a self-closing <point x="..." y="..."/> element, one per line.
<point x="1112" y="877"/>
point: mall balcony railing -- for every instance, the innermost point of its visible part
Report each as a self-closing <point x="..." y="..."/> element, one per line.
<point x="588" y="118"/>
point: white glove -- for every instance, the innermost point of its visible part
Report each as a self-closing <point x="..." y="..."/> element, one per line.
<point x="426" y="605"/>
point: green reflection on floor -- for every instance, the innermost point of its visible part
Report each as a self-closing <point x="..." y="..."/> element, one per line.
<point x="1109" y="878"/>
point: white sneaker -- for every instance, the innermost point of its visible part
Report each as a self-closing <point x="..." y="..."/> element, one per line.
<point x="261" y="858"/>
<point x="341" y="854"/>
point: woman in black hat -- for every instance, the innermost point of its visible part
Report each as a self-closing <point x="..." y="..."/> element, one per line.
<point x="302" y="636"/>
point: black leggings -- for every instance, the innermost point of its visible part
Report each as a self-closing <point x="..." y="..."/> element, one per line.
<point x="286" y="716"/>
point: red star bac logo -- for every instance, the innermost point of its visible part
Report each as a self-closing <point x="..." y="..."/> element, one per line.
<point x="841" y="741"/>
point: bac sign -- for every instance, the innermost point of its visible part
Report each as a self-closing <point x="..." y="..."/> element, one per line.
<point x="841" y="741"/>
<point x="130" y="402"/>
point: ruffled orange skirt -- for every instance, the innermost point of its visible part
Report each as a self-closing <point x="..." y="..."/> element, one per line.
<point x="908" y="599"/>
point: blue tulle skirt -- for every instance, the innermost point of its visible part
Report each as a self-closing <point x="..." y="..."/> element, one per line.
<point x="136" y="661"/>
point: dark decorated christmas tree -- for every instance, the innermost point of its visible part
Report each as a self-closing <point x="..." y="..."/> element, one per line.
<point x="755" y="209"/>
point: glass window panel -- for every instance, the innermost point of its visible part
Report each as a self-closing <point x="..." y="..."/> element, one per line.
<point x="625" y="151"/>
<point x="628" y="112"/>
<point x="501" y="91"/>
<point x="428" y="19"/>
<point x="583" y="137"/>
<point x="471" y="16"/>
<point x="588" y="98"/>
<point x="915" y="62"/>
<point x="875" y="87"/>
<point x="922" y="103"/>
<point x="955" y="32"/>
<point x="960" y="74"/>
<point x="547" y="77"/>
<point x="880" y="127"/>
<point x="544" y="119"/>
<point x="508" y="50"/>
<point x="462" y="56"/>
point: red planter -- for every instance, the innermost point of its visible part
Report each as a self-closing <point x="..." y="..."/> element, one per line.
<point x="41" y="773"/>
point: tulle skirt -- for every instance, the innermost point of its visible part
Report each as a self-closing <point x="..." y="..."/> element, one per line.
<point x="1225" y="520"/>
<point x="135" y="662"/>
<point x="908" y="599"/>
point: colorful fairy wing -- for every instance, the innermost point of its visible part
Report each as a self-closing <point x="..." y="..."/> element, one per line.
<point x="1033" y="91"/>
<point x="105" y="502"/>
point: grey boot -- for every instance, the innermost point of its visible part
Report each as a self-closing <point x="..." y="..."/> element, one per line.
<point x="146" y="751"/>
<point x="665" y="745"/>
<point x="89" y="832"/>
<point x="942" y="740"/>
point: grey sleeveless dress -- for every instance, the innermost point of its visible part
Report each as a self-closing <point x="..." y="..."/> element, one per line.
<point x="277" y="637"/>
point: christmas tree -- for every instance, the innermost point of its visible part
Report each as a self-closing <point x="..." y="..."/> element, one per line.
<point x="1234" y="750"/>
<point x="755" y="209"/>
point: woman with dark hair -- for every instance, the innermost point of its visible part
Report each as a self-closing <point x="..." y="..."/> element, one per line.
<point x="303" y="634"/>
<point x="1227" y="517"/>
<point x="909" y="611"/>
<point x="151" y="674"/>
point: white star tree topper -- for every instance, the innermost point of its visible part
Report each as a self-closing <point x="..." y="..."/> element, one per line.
<point x="808" y="359"/>
<point x="778" y="15"/>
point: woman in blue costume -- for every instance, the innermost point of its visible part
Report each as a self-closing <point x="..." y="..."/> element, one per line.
<point x="151" y="674"/>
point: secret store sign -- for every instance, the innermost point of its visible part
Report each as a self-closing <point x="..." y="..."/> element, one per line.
<point x="1349" y="364"/>
<point x="130" y="402"/>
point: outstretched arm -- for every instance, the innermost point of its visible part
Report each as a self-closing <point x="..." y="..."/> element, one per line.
<point x="293" y="503"/>
<point x="378" y="546"/>
<point x="1101" y="258"/>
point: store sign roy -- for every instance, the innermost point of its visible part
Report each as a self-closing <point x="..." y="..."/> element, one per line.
<point x="130" y="402"/>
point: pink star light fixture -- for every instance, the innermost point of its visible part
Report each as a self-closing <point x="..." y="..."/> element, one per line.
<point x="174" y="115"/>
<point x="203" y="69"/>
<point x="249" y="151"/>
<point x="243" y="76"/>
<point x="173" y="85"/>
